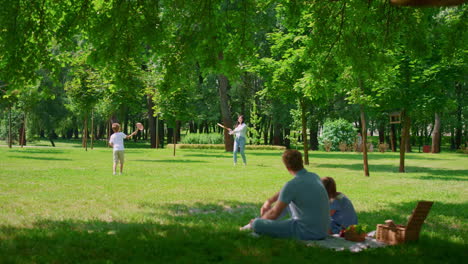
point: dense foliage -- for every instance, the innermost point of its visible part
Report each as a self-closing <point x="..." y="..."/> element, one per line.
<point x="337" y="132"/>
<point x="212" y="138"/>
<point x="69" y="68"/>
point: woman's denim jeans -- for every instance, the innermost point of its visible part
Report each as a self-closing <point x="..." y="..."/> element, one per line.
<point x="239" y="144"/>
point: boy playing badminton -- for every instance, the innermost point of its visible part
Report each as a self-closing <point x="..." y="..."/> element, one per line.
<point x="117" y="142"/>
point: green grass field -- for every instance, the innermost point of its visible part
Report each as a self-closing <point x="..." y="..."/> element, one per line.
<point x="63" y="205"/>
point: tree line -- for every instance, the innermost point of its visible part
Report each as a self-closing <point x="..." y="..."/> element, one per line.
<point x="71" y="67"/>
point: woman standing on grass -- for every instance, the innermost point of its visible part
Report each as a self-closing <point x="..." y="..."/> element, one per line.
<point x="240" y="131"/>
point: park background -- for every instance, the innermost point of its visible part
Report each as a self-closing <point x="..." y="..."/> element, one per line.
<point x="308" y="75"/>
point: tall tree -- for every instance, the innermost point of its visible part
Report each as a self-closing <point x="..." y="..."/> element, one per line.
<point x="217" y="35"/>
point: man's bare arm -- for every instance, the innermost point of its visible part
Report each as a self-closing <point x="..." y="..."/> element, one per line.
<point x="267" y="204"/>
<point x="276" y="211"/>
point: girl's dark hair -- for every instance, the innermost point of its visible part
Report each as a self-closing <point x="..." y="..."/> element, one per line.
<point x="241" y="116"/>
<point x="330" y="186"/>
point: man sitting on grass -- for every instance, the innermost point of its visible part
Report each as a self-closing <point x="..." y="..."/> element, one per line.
<point x="306" y="200"/>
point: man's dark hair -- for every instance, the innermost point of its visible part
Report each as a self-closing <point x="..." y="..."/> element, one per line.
<point x="292" y="159"/>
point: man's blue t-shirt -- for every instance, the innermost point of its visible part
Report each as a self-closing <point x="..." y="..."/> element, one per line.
<point x="309" y="204"/>
<point x="345" y="214"/>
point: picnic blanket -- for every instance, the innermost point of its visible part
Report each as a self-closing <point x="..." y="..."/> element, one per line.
<point x="338" y="243"/>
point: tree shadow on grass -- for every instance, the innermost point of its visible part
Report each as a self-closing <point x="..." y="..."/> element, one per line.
<point x="37" y="158"/>
<point x="37" y="151"/>
<point x="100" y="145"/>
<point x="372" y="156"/>
<point x="136" y="151"/>
<point x="267" y="154"/>
<point x="439" y="174"/>
<point x="435" y="242"/>
<point x="358" y="167"/>
<point x="207" y="235"/>
<point x="72" y="241"/>
<point x="444" y="178"/>
<point x="444" y="220"/>
<point x="138" y="145"/>
<point x="172" y="161"/>
<point x="233" y="212"/>
<point x="208" y="155"/>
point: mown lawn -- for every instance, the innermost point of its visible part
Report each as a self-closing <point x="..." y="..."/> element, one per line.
<point x="63" y="205"/>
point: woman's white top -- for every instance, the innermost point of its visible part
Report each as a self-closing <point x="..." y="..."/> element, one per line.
<point x="240" y="131"/>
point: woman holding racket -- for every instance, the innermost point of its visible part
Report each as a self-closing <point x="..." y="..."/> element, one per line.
<point x="240" y="131"/>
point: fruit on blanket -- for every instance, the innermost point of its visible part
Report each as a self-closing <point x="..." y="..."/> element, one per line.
<point x="356" y="233"/>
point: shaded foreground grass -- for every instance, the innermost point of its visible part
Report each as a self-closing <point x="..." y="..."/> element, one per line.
<point x="63" y="205"/>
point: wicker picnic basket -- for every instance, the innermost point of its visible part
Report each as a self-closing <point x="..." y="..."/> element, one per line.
<point x="396" y="234"/>
<point x="353" y="236"/>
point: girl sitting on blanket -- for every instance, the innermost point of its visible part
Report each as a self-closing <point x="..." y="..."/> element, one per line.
<point x="341" y="209"/>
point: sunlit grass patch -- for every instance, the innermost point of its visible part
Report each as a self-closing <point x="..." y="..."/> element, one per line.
<point x="64" y="205"/>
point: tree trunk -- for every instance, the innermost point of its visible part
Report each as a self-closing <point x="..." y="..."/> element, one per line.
<point x="191" y="127"/>
<point x="69" y="133"/>
<point x="436" y="135"/>
<point x="201" y="126"/>
<point x="459" y="122"/>
<point x="161" y="131"/>
<point x="276" y="132"/>
<point x="304" y="131"/>
<point x="125" y="127"/>
<point x="207" y="127"/>
<point x="174" y="139"/>
<point x="51" y="139"/>
<point x="364" y="142"/>
<point x="151" y="121"/>
<point x="145" y="137"/>
<point x="85" y="133"/>
<point x="158" y="141"/>
<point x="178" y="127"/>
<point x="314" y="145"/>
<point x="170" y="132"/>
<point x="225" y="111"/>
<point x="427" y="135"/>
<point x="381" y="133"/>
<point x="287" y="141"/>
<point x="404" y="138"/>
<point x="76" y="133"/>
<point x="10" y="143"/>
<point x="23" y="131"/>
<point x="109" y="133"/>
<point x="271" y="128"/>
<point x="281" y="136"/>
<point x="408" y="139"/>
<point x="265" y="133"/>
<point x="92" y="129"/>
<point x="393" y="137"/>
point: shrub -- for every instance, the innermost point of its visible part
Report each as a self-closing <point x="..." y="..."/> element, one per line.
<point x="343" y="146"/>
<point x="336" y="132"/>
<point x="265" y="147"/>
<point x="221" y="146"/>
<point x="327" y="145"/>
<point x="197" y="146"/>
<point x="212" y="138"/>
<point x="383" y="147"/>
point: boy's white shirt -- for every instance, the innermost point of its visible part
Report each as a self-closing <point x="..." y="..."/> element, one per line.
<point x="117" y="139"/>
<point x="240" y="130"/>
